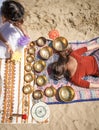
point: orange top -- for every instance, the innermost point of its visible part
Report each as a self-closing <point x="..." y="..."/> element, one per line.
<point x="87" y="65"/>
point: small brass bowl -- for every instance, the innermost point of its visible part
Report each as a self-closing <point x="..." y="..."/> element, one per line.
<point x="66" y="93"/>
<point x="41" y="41"/>
<point x="27" y="89"/>
<point x="28" y="77"/>
<point x="30" y="59"/>
<point x="60" y="44"/>
<point x="28" y="67"/>
<point x="37" y="94"/>
<point x="31" y="51"/>
<point x="39" y="65"/>
<point x="41" y="80"/>
<point x="50" y="91"/>
<point x="32" y="44"/>
<point x="45" y="52"/>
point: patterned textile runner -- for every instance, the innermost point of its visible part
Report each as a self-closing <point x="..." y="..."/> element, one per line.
<point x="14" y="77"/>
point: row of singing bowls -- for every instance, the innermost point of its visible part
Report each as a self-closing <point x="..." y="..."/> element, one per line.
<point x="41" y="80"/>
<point x="41" y="41"/>
<point x="66" y="93"/>
<point x="46" y="52"/>
<point x="60" y="44"/>
<point x="27" y="89"/>
<point x="39" y="66"/>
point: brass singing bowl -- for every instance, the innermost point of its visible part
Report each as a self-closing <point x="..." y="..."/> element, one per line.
<point x="30" y="59"/>
<point x="31" y="51"/>
<point x="50" y="91"/>
<point x="27" y="89"/>
<point x="39" y="65"/>
<point x="41" y="80"/>
<point x="28" y="67"/>
<point x="37" y="94"/>
<point x="28" y="77"/>
<point x="41" y="41"/>
<point x="60" y="44"/>
<point x="32" y="44"/>
<point x="45" y="52"/>
<point x="66" y="93"/>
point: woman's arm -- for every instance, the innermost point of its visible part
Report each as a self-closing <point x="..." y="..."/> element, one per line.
<point x="6" y="43"/>
<point x="93" y="86"/>
<point x="92" y="47"/>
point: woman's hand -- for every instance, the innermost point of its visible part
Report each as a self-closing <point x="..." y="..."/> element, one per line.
<point x="94" y="86"/>
<point x="93" y="47"/>
<point x="9" y="48"/>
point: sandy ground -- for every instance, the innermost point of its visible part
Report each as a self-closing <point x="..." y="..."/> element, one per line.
<point x="77" y="20"/>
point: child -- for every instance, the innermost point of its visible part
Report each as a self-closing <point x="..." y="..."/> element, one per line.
<point x="11" y="31"/>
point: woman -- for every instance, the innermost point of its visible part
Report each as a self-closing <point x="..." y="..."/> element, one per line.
<point x="11" y="29"/>
<point x="75" y="66"/>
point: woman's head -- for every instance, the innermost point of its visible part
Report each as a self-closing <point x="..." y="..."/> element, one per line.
<point x="12" y="10"/>
<point x="59" y="69"/>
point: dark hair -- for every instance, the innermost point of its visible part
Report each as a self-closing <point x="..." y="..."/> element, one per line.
<point x="12" y="10"/>
<point x="58" y="68"/>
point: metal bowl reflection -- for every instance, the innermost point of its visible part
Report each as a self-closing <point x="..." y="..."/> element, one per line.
<point x="37" y="94"/>
<point x="39" y="65"/>
<point x="30" y="59"/>
<point x="31" y="51"/>
<point x="60" y="44"/>
<point x="28" y="67"/>
<point x="28" y="77"/>
<point x="27" y="89"/>
<point x="41" y="80"/>
<point x="50" y="91"/>
<point x="46" y="52"/>
<point x="66" y="93"/>
<point x="41" y="41"/>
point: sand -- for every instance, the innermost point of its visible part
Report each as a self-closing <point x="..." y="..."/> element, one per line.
<point x="77" y="20"/>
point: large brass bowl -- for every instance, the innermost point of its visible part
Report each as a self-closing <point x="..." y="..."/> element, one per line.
<point x="41" y="80"/>
<point x="45" y="52"/>
<point x="27" y="89"/>
<point x="66" y="93"/>
<point x="60" y="44"/>
<point x="28" y="77"/>
<point x="30" y="59"/>
<point x="39" y="65"/>
<point x="37" y="94"/>
<point x="50" y="91"/>
<point x="28" y="67"/>
<point x="41" y="41"/>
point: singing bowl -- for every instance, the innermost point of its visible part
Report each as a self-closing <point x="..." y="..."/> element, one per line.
<point x="37" y="94"/>
<point x="41" y="41"/>
<point x="28" y="67"/>
<point x="27" y="89"/>
<point x="45" y="52"/>
<point x="31" y="51"/>
<point x="50" y="92"/>
<point x="32" y="44"/>
<point x="28" y="77"/>
<point x="30" y="59"/>
<point x="66" y="93"/>
<point x="41" y="80"/>
<point x="60" y="44"/>
<point x="39" y="65"/>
